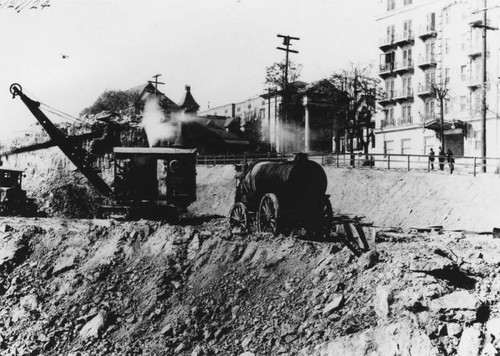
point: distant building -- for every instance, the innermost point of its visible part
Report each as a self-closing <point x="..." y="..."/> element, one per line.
<point x="307" y="108"/>
<point x="426" y="43"/>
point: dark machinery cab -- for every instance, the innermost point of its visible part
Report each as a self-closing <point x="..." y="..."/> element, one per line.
<point x="13" y="199"/>
<point x="160" y="174"/>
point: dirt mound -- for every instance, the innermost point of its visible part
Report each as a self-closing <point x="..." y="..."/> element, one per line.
<point x="94" y="287"/>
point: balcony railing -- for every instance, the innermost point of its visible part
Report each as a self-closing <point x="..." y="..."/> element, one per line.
<point x="405" y="38"/>
<point x="424" y="89"/>
<point x="387" y="42"/>
<point x="474" y="51"/>
<point x="427" y="61"/>
<point x="427" y="31"/>
<point x="387" y="98"/>
<point x="404" y="66"/>
<point x="387" y="123"/>
<point x="405" y="94"/>
<point x="386" y="69"/>
<point x="408" y="120"/>
<point x="475" y="82"/>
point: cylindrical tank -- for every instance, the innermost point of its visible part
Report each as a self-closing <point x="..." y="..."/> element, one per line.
<point x="293" y="182"/>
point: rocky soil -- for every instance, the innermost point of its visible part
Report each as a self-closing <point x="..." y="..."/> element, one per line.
<point x="105" y="287"/>
<point x="97" y="287"/>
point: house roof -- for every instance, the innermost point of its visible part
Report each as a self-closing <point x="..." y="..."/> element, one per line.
<point x="147" y="90"/>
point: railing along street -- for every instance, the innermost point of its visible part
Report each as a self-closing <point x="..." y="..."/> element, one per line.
<point x="390" y="161"/>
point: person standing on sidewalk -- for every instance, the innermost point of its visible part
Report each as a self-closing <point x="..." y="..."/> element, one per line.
<point x="441" y="159"/>
<point x="451" y="160"/>
<point x="432" y="155"/>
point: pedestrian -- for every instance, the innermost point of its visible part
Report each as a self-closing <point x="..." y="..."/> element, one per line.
<point x="451" y="160"/>
<point x="432" y="155"/>
<point x="441" y="159"/>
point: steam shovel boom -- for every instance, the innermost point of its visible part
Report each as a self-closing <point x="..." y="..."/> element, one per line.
<point x="76" y="154"/>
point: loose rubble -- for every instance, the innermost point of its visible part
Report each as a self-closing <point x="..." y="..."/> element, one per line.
<point x="95" y="287"/>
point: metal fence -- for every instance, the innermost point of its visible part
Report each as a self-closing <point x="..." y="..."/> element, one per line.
<point x="406" y="162"/>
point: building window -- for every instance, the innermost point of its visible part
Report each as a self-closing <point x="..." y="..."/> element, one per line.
<point x="407" y="32"/>
<point x="407" y="2"/>
<point x="428" y="140"/>
<point x="407" y="57"/>
<point x="389" y="118"/>
<point x="447" y="17"/>
<point x="407" y="86"/>
<point x="431" y="22"/>
<point x="463" y="73"/>
<point x="447" y="106"/>
<point x="447" y="46"/>
<point x="391" y="5"/>
<point x="389" y="88"/>
<point x="430" y="78"/>
<point x="446" y="75"/>
<point x="429" y="51"/>
<point x="405" y="146"/>
<point x="463" y="103"/>
<point x="429" y="110"/>
<point x="388" y="147"/>
<point x="406" y="115"/>
<point x="390" y="31"/>
<point x="477" y="140"/>
<point x="477" y="101"/>
<point x="262" y="113"/>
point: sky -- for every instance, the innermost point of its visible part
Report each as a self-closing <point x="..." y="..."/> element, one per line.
<point x="220" y="48"/>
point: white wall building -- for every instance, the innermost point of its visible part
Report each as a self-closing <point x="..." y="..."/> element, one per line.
<point x="426" y="42"/>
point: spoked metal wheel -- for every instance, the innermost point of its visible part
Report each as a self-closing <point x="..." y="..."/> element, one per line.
<point x="353" y="237"/>
<point x="239" y="220"/>
<point x="320" y="220"/>
<point x="268" y="214"/>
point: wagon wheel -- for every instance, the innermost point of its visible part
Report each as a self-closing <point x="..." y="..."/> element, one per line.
<point x="239" y="219"/>
<point x="353" y="237"/>
<point x="268" y="214"/>
<point x="320" y="225"/>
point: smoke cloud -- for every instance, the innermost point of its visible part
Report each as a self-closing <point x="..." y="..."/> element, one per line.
<point x="156" y="126"/>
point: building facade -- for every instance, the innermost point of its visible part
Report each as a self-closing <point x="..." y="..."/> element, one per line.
<point x="432" y="62"/>
<point x="264" y="108"/>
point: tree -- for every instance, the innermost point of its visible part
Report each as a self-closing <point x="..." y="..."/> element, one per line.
<point x="111" y="100"/>
<point x="275" y="73"/>
<point x="359" y="105"/>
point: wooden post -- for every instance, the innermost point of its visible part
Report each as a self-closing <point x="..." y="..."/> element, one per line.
<point x="408" y="162"/>
<point x="388" y="161"/>
<point x="474" y="166"/>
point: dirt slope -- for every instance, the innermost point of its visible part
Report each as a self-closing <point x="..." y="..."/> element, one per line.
<point x="76" y="287"/>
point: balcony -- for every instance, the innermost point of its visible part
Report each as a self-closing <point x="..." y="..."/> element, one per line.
<point x="474" y="51"/>
<point x="403" y="67"/>
<point x="404" y="95"/>
<point x="386" y="70"/>
<point x="429" y="117"/>
<point x="475" y="82"/>
<point x="427" y="61"/>
<point x="405" y="38"/>
<point x="387" y="123"/>
<point x="424" y="90"/>
<point x="387" y="42"/>
<point x="387" y="98"/>
<point x="427" y="31"/>
<point x="408" y="120"/>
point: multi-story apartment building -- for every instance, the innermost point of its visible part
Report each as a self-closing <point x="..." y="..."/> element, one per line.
<point x="426" y="44"/>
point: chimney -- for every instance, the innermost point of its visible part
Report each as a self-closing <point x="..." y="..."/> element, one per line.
<point x="188" y="88"/>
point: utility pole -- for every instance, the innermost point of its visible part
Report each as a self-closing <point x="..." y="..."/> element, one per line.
<point x="156" y="82"/>
<point x="284" y="96"/>
<point x="485" y="27"/>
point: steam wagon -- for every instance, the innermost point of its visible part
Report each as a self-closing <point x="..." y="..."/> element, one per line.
<point x="280" y="196"/>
